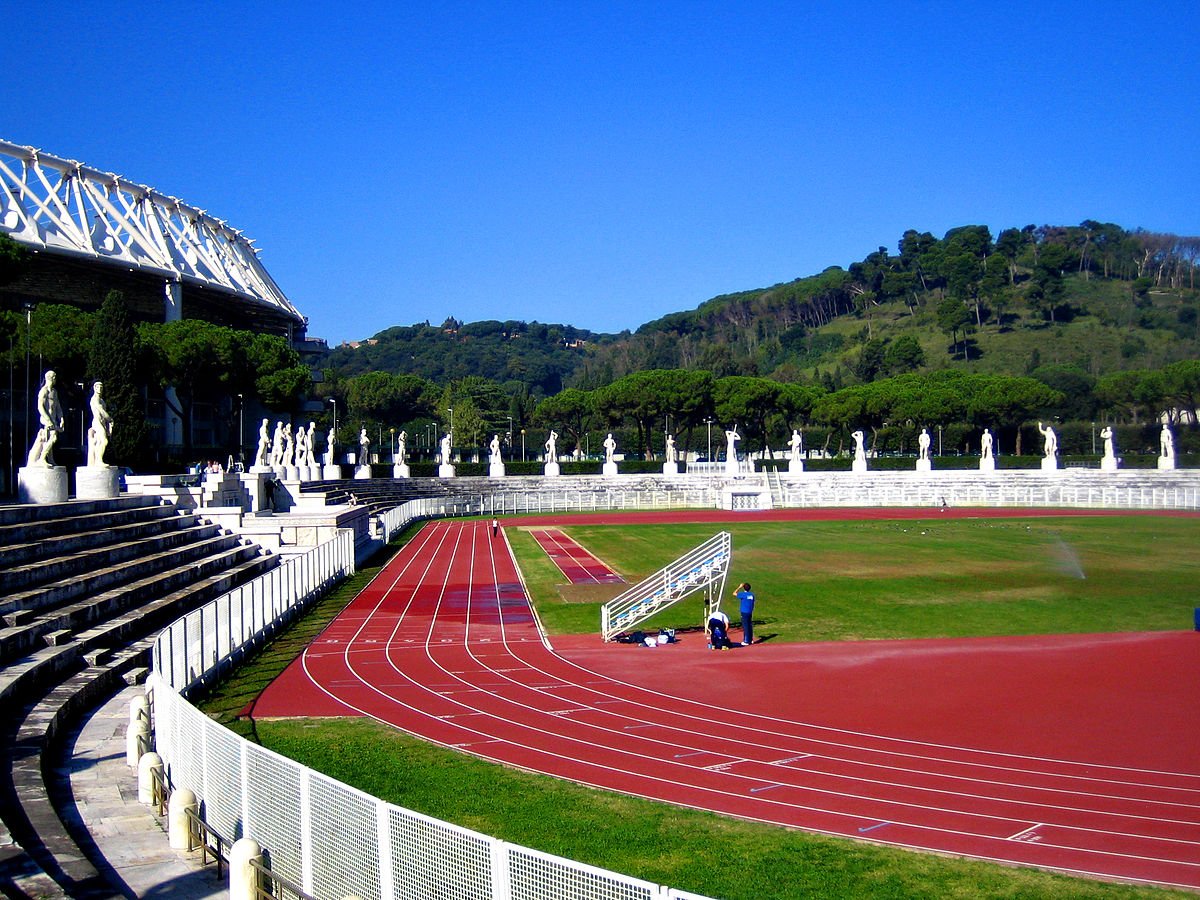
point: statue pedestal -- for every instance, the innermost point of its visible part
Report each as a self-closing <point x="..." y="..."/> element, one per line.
<point x="552" y="470"/>
<point x="261" y="470"/>
<point x="42" y="484"/>
<point x="1050" y="464"/>
<point x="362" y="473"/>
<point x="445" y="470"/>
<point x="97" y="483"/>
<point x="290" y="473"/>
<point x="795" y="466"/>
<point x="924" y="465"/>
<point x="987" y="464"/>
<point x="731" y="467"/>
<point x="670" y="468"/>
<point x="496" y="470"/>
<point x="400" y="470"/>
<point x="1166" y="463"/>
<point x="1108" y="464"/>
<point x="314" y="472"/>
<point x="859" y="466"/>
<point x="331" y="472"/>
<point x="609" y="470"/>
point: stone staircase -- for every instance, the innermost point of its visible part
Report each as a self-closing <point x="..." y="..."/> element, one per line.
<point x="84" y="587"/>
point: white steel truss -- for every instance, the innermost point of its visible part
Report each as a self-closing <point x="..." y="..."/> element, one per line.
<point x="703" y="568"/>
<point x="64" y="207"/>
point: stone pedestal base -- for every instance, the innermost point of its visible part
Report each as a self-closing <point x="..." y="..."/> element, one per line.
<point x="552" y="470"/>
<point x="290" y="473"/>
<point x="1049" y="464"/>
<point x="314" y="472"/>
<point x="670" y="468"/>
<point x="858" y="466"/>
<point x="400" y="470"/>
<point x="924" y="465"/>
<point x="1108" y="464"/>
<point x="445" y="470"/>
<point x="1166" y="462"/>
<point x="97" y="483"/>
<point x="262" y="470"/>
<point x="331" y="472"/>
<point x="731" y="467"/>
<point x="362" y="473"/>
<point x="42" y="484"/>
<point x="795" y="466"/>
<point x="496" y="470"/>
<point x="987" y="465"/>
<point x="609" y="470"/>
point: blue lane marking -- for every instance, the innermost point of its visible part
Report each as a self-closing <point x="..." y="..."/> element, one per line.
<point x="765" y="787"/>
<point x="873" y="827"/>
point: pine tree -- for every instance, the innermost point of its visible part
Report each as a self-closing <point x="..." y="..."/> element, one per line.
<point x="112" y="360"/>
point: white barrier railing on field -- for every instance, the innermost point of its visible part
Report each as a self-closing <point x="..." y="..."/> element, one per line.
<point x="311" y="826"/>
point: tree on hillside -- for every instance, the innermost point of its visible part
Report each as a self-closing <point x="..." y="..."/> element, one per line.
<point x="904" y="354"/>
<point x="748" y="402"/>
<point x="954" y="317"/>
<point x="113" y="355"/>
<point x="569" y="410"/>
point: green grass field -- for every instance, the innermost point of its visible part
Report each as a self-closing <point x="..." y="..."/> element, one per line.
<point x="821" y="581"/>
<point x="815" y="581"/>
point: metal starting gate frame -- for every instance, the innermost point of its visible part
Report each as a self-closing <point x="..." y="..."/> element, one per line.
<point x="704" y="568"/>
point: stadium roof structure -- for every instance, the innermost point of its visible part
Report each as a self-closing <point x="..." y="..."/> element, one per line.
<point x="73" y="212"/>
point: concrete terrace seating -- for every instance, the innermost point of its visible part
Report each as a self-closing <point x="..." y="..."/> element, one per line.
<point x="84" y="586"/>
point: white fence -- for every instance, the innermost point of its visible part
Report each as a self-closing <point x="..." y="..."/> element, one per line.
<point x="331" y="839"/>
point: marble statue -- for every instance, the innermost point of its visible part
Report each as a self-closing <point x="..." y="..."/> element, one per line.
<point x="923" y="444"/>
<point x="289" y="446"/>
<point x="303" y="454"/>
<point x="985" y="444"/>
<point x="731" y="440"/>
<point x="1166" y="443"/>
<point x="101" y="429"/>
<point x="1049" y="441"/>
<point x="610" y="449"/>
<point x="494" y="456"/>
<point x="795" y="446"/>
<point x="50" y="424"/>
<point x="552" y="447"/>
<point x="277" y="446"/>
<point x="330" y="445"/>
<point x="402" y="448"/>
<point x="310" y="441"/>
<point x="262" y="456"/>
<point x="364" y="447"/>
<point x="1107" y="435"/>
<point x="445" y="445"/>
<point x="860" y="452"/>
<point x="671" y="455"/>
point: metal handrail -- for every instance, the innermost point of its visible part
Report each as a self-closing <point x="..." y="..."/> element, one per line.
<point x="272" y="886"/>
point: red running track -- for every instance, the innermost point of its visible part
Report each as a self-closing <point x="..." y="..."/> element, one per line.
<point x="1075" y="753"/>
<point x="578" y="565"/>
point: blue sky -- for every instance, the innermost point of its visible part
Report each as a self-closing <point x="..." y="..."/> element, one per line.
<point x="605" y="163"/>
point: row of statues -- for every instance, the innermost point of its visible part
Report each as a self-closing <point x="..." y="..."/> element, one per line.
<point x="51" y="424"/>
<point x="285" y="448"/>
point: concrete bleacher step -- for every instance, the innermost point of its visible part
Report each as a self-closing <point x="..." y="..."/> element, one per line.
<point x="32" y="514"/>
<point x="202" y="539"/>
<point x="113" y="530"/>
<point x="222" y="573"/>
<point x="162" y="573"/>
<point x="75" y="562"/>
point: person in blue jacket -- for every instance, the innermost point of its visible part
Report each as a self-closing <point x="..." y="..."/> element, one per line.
<point x="746" y="605"/>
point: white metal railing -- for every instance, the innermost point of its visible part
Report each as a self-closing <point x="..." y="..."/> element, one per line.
<point x="703" y="568"/>
<point x="310" y="824"/>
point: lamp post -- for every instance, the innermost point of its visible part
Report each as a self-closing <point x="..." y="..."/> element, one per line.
<point x="522" y="445"/>
<point x="333" y="403"/>
<point x="82" y="432"/>
<point x="939" y="440"/>
<point x="708" y="422"/>
<point x="509" y="435"/>
<point x="242" y="430"/>
<point x="393" y="431"/>
<point x="1093" y="439"/>
<point x="28" y="328"/>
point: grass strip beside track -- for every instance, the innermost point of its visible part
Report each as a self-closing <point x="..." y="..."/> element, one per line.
<point x="692" y="850"/>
